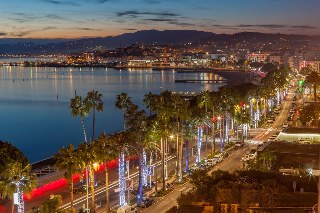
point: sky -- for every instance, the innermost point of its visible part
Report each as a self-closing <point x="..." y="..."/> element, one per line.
<point x="101" y="18"/>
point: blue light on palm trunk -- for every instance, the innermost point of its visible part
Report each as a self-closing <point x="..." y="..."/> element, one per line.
<point x="199" y="142"/>
<point x="227" y="126"/>
<point x="145" y="172"/>
<point x="122" y="180"/>
<point x="19" y="185"/>
<point x="187" y="156"/>
<point x="141" y="178"/>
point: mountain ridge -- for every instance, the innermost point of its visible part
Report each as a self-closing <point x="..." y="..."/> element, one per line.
<point x="175" y="37"/>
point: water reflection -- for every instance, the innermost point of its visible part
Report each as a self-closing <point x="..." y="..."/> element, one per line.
<point x="39" y="124"/>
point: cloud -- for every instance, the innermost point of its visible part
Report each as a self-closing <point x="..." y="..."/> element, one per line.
<point x="130" y="29"/>
<point x="60" y="2"/>
<point x="158" y="19"/>
<point x="182" y="24"/>
<point x="137" y="13"/>
<point x="55" y="16"/>
<point x="86" y="29"/>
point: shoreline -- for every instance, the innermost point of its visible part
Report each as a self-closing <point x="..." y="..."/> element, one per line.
<point x="178" y="69"/>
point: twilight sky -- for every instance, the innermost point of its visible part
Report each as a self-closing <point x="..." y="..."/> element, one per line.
<point x="90" y="18"/>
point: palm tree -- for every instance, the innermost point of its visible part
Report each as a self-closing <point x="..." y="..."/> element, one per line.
<point x="124" y="103"/>
<point x="18" y="178"/>
<point x="88" y="158"/>
<point x="148" y="98"/>
<point x="161" y="104"/>
<point x="267" y="159"/>
<point x="313" y="79"/>
<point x="80" y="108"/>
<point x="15" y="173"/>
<point x="204" y="101"/>
<point x="67" y="160"/>
<point x="106" y="150"/>
<point x="95" y="103"/>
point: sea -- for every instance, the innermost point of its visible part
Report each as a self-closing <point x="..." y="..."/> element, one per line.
<point x="34" y="101"/>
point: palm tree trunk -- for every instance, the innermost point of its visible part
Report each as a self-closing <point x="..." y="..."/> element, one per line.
<point x="180" y="153"/>
<point x="93" y="122"/>
<point x="141" y="167"/>
<point x="187" y="154"/>
<point x="107" y="188"/>
<point x="177" y="151"/>
<point x="315" y="92"/>
<point x="71" y="193"/>
<point x="91" y="171"/>
<point x="213" y="148"/>
<point x="12" y="206"/>
<point x="162" y="158"/>
<point x="156" y="174"/>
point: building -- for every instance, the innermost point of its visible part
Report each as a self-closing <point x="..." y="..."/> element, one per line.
<point x="257" y="57"/>
<point x="302" y="135"/>
<point x="275" y="59"/>
<point x="314" y="64"/>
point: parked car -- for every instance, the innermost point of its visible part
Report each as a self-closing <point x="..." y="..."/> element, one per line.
<point x="246" y="157"/>
<point x="80" y="189"/>
<point x="211" y="161"/>
<point x="218" y="157"/>
<point x="192" y="169"/>
<point x="239" y="144"/>
<point x="146" y="202"/>
<point x="127" y="209"/>
<point x="285" y="125"/>
<point x="270" y="120"/>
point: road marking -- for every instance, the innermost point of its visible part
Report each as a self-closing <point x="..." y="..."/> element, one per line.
<point x="182" y="189"/>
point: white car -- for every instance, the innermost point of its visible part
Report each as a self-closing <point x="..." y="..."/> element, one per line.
<point x="218" y="157"/>
<point x="127" y="209"/>
<point x="270" y="120"/>
<point x="238" y="144"/>
<point x="211" y="161"/>
<point x="246" y="157"/>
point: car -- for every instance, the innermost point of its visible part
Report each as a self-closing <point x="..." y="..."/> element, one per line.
<point x="80" y="190"/>
<point x="270" y="120"/>
<point x="239" y="144"/>
<point x="272" y="138"/>
<point x="285" y="125"/>
<point x="246" y="157"/>
<point x="218" y="157"/>
<point x="276" y="111"/>
<point x="259" y="145"/>
<point x="127" y="209"/>
<point x="289" y="118"/>
<point x="145" y="203"/>
<point x="211" y="161"/>
<point x="192" y="169"/>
